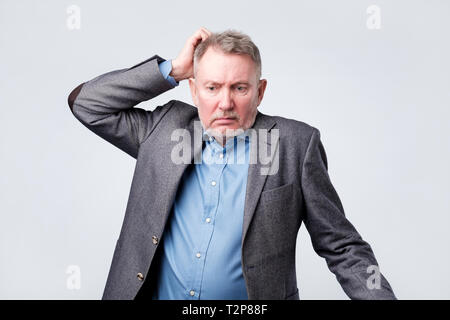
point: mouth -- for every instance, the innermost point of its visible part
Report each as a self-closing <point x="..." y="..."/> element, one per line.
<point x="225" y="120"/>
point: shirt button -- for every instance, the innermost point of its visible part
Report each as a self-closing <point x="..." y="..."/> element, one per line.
<point x="192" y="292"/>
<point x="155" y="240"/>
<point x="198" y="255"/>
<point x="140" y="276"/>
<point x="213" y="183"/>
<point x="208" y="220"/>
<point x="221" y="155"/>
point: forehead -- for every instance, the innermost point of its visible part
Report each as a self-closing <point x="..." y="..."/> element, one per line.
<point x="218" y="66"/>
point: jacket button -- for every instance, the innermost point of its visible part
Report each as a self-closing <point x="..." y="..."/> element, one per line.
<point x="155" y="240"/>
<point x="140" y="276"/>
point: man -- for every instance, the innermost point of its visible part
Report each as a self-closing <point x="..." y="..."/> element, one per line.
<point x="222" y="227"/>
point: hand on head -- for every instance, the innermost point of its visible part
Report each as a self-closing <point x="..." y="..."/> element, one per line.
<point x="183" y="65"/>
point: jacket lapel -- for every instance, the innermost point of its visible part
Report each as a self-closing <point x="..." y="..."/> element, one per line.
<point x="255" y="179"/>
<point x="168" y="182"/>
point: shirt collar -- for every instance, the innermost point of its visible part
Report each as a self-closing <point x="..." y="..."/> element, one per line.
<point x="230" y="142"/>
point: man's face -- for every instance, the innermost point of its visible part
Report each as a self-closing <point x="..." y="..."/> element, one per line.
<point x="226" y="91"/>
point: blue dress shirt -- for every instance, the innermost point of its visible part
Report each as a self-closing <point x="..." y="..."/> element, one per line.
<point x="165" y="67"/>
<point x="201" y="257"/>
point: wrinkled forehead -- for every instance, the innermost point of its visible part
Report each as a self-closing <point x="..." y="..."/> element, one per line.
<point x="219" y="66"/>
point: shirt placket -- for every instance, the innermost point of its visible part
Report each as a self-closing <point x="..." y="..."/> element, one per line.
<point x="212" y="195"/>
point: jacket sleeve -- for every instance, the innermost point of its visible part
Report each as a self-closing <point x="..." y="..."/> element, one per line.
<point x="333" y="237"/>
<point x="105" y="104"/>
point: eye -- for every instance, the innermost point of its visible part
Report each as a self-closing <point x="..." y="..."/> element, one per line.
<point x="210" y="88"/>
<point x="241" y="89"/>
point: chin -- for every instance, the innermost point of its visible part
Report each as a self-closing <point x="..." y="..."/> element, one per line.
<point x="225" y="131"/>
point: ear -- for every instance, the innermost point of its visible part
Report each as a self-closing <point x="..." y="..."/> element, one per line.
<point x="193" y="90"/>
<point x="261" y="89"/>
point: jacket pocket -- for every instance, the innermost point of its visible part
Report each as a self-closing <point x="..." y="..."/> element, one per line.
<point x="282" y="193"/>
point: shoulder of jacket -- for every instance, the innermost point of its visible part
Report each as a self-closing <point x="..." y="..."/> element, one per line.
<point x="294" y="128"/>
<point x="183" y="107"/>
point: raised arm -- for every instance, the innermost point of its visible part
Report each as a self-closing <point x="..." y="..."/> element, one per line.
<point x="105" y="104"/>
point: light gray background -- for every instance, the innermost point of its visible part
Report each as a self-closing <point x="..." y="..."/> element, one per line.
<point x="379" y="97"/>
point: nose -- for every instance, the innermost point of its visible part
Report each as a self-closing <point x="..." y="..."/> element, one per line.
<point x="226" y="100"/>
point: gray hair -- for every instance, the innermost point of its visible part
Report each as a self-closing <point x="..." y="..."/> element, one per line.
<point x="230" y="41"/>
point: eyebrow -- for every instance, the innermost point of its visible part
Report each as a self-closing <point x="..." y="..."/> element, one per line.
<point x="218" y="83"/>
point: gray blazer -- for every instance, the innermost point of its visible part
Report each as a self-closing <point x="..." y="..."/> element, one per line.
<point x="275" y="205"/>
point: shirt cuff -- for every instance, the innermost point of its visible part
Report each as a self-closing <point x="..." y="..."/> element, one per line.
<point x="165" y="67"/>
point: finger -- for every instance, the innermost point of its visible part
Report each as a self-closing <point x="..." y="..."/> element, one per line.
<point x="204" y="35"/>
<point x="206" y="30"/>
<point x="193" y="41"/>
<point x="197" y="36"/>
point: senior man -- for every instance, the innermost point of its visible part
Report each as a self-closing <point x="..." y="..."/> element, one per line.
<point x="222" y="227"/>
